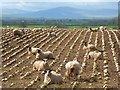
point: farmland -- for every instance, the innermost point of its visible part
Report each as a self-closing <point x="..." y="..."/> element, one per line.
<point x="17" y="70"/>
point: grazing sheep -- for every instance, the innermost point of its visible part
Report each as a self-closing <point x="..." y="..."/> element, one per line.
<point x="51" y="34"/>
<point x="52" y="27"/>
<point x="12" y="28"/>
<point x="41" y="65"/>
<point x="93" y="29"/>
<point x="7" y="26"/>
<point x="44" y="55"/>
<point x="90" y="47"/>
<point x="51" y="77"/>
<point x="35" y="29"/>
<point x="18" y="32"/>
<point x="72" y="69"/>
<point x="102" y="28"/>
<point x="32" y="50"/>
<point x="55" y="26"/>
<point x="95" y="55"/>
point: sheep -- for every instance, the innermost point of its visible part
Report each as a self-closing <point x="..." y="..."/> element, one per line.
<point x="51" y="77"/>
<point x="35" y="29"/>
<point x="44" y="55"/>
<point x="102" y="28"/>
<point x="12" y="28"/>
<point x="55" y="26"/>
<point x="72" y="69"/>
<point x="8" y="26"/>
<point x="18" y="32"/>
<point x="32" y="50"/>
<point x="41" y="65"/>
<point x="95" y="55"/>
<point x="52" y="27"/>
<point x="93" y="29"/>
<point x="90" y="47"/>
<point x="51" y="34"/>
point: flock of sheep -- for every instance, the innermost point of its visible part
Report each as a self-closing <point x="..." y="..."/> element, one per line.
<point x="72" y="67"/>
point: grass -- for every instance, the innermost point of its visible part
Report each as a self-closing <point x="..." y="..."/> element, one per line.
<point x="46" y="26"/>
<point x="90" y="26"/>
<point x="28" y="26"/>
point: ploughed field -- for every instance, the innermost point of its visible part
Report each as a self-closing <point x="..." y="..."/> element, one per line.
<point x="17" y="70"/>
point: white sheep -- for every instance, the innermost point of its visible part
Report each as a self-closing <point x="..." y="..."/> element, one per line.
<point x="18" y="32"/>
<point x="52" y="27"/>
<point x="72" y="69"/>
<point x="55" y="26"/>
<point x="32" y="50"/>
<point x="102" y="28"/>
<point x="44" y="55"/>
<point x="95" y="55"/>
<point x="35" y="29"/>
<point x="8" y="26"/>
<point x="93" y="29"/>
<point x="90" y="47"/>
<point x="51" y="77"/>
<point x="51" y="34"/>
<point x="41" y="65"/>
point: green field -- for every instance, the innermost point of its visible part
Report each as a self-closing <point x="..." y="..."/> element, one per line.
<point x="46" y="26"/>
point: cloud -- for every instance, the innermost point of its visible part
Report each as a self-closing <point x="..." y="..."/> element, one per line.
<point x="61" y="0"/>
<point x="37" y="6"/>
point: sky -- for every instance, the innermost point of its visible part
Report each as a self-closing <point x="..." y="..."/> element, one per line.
<point x="37" y="6"/>
<point x="59" y="0"/>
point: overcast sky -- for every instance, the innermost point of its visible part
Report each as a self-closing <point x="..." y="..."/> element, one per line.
<point x="35" y="5"/>
<point x="59" y="0"/>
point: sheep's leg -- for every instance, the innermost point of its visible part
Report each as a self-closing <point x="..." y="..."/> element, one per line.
<point x="67" y="75"/>
<point x="39" y="71"/>
<point x="43" y="85"/>
<point x="89" y="57"/>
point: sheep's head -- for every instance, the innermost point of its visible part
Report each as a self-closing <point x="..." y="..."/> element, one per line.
<point x="73" y="65"/>
<point x="45" y="63"/>
<point x="46" y="72"/>
<point x="70" y="71"/>
<point x="90" y="28"/>
<point x="39" y="51"/>
<point x="84" y="43"/>
<point x="29" y="48"/>
<point x="45" y="60"/>
<point x="43" y="72"/>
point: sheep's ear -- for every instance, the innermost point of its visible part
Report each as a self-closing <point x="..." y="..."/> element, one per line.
<point x="49" y="71"/>
<point x="45" y="60"/>
<point x="29" y="48"/>
<point x="90" y="28"/>
<point x="90" y="42"/>
<point x="85" y="43"/>
<point x="115" y="42"/>
<point x="43" y="72"/>
<point x="39" y="51"/>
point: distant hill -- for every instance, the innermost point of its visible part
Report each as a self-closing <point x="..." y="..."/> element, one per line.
<point x="61" y="12"/>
